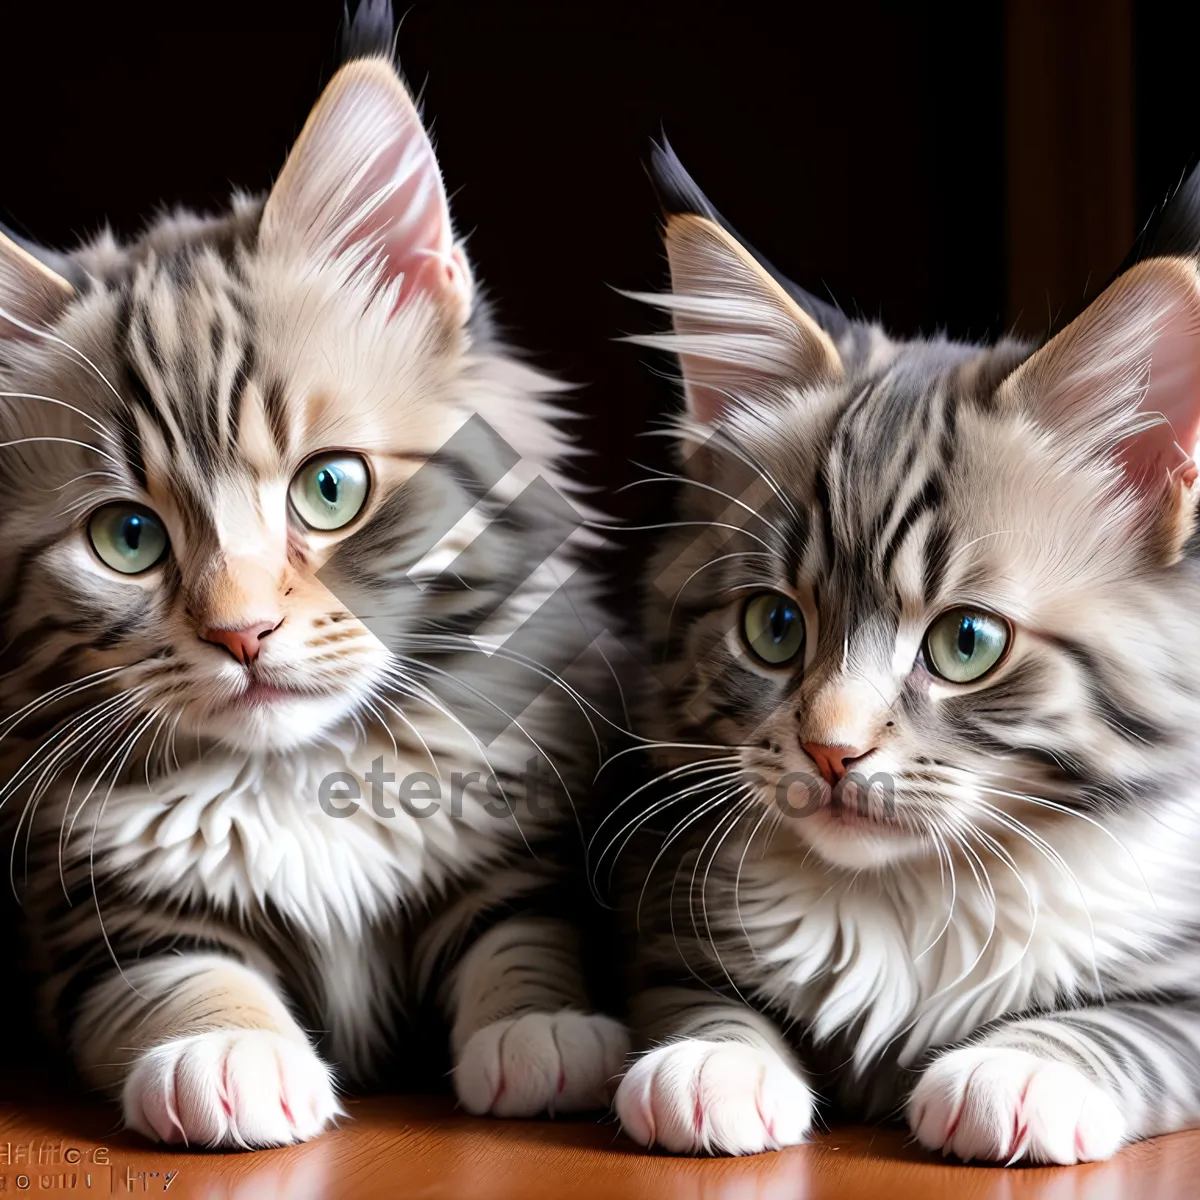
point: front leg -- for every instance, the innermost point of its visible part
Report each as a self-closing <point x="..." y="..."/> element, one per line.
<point x="723" y="1082"/>
<point x="202" y="1051"/>
<point x="1064" y="1087"/>
<point x="522" y="1038"/>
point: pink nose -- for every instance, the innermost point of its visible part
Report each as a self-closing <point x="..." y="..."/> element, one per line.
<point x="244" y="644"/>
<point x="833" y="761"/>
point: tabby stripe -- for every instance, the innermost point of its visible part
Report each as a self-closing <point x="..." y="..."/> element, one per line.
<point x="131" y="446"/>
<point x="1131" y="726"/>
<point x="928" y="499"/>
<point x="241" y="381"/>
<point x="795" y="542"/>
<point x="845" y="420"/>
<point x="824" y="507"/>
<point x="150" y="343"/>
<point x="948" y="445"/>
<point x="142" y="398"/>
<point x="84" y="975"/>
<point x="937" y="559"/>
<point x="276" y="411"/>
<point x="213" y="400"/>
<point x="22" y="573"/>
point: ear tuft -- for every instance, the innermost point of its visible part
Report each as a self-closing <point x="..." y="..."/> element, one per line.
<point x="679" y="193"/>
<point x="32" y="296"/>
<point x="370" y="32"/>
<point x="362" y="186"/>
<point x="740" y="337"/>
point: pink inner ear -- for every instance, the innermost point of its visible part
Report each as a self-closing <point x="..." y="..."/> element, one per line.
<point x="1167" y="450"/>
<point x="402" y="189"/>
<point x="433" y="273"/>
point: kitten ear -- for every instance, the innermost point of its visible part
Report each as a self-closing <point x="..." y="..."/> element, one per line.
<point x="1123" y="381"/>
<point x="739" y="336"/>
<point x="679" y="193"/>
<point x="31" y="295"/>
<point x="362" y="186"/>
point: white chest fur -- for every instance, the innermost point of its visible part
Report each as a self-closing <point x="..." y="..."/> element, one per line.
<point x="922" y="959"/>
<point x="239" y="832"/>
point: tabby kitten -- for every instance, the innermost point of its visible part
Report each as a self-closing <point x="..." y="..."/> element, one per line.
<point x="927" y="824"/>
<point x="215" y="436"/>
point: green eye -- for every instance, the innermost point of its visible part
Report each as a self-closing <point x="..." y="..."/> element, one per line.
<point x="963" y="645"/>
<point x="330" y="490"/>
<point x="128" y="538"/>
<point x="773" y="627"/>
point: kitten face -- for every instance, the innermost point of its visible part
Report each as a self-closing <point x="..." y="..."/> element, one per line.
<point x="225" y="416"/>
<point x="932" y="595"/>
<point x="229" y="433"/>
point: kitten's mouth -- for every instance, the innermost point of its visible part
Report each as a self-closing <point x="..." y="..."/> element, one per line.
<point x="847" y="815"/>
<point x="850" y="809"/>
<point x="261" y="693"/>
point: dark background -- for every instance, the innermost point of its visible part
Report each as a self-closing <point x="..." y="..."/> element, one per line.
<point x="964" y="166"/>
<point x="957" y="166"/>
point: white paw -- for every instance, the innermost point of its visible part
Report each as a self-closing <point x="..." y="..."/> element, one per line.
<point x="541" y="1063"/>
<point x="232" y="1088"/>
<point x="1004" y="1105"/>
<point x="717" y="1097"/>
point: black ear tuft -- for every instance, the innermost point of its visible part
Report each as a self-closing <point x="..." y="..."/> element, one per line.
<point x="676" y="190"/>
<point x="679" y="193"/>
<point x="371" y="33"/>
<point x="1174" y="230"/>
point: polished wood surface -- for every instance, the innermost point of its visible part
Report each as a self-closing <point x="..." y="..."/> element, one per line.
<point x="421" y="1149"/>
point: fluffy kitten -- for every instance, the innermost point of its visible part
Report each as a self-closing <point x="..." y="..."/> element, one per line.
<point x="926" y="829"/>
<point x="227" y="445"/>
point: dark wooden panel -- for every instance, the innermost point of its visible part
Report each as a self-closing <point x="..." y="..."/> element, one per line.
<point x="1070" y="153"/>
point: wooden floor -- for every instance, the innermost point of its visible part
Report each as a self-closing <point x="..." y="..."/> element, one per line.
<point x="419" y="1148"/>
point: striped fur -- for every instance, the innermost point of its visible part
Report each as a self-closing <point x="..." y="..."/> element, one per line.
<point x="1009" y="949"/>
<point x="213" y="947"/>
